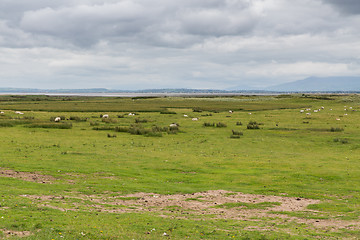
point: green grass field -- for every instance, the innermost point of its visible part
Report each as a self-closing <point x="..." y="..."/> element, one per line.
<point x="296" y="175"/>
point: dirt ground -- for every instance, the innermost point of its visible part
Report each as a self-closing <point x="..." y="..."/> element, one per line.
<point x="27" y="176"/>
<point x="200" y="205"/>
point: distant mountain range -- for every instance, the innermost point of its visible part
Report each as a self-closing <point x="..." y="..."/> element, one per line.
<point x="316" y="84"/>
<point x="311" y="84"/>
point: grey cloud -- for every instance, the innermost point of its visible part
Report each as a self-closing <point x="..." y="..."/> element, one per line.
<point x="158" y="43"/>
<point x="346" y="6"/>
<point x="160" y="22"/>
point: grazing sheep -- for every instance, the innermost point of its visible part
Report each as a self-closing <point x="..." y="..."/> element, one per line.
<point x="57" y="119"/>
<point x="173" y="125"/>
<point x="131" y="114"/>
<point x="249" y="113"/>
<point x="315" y="111"/>
<point x="18" y="112"/>
<point x="338" y="119"/>
<point x="308" y="113"/>
<point x="186" y="115"/>
<point x="105" y="116"/>
<point x="301" y="111"/>
<point x="195" y="119"/>
<point x="322" y="107"/>
<point x="2" y="113"/>
<point x="230" y="111"/>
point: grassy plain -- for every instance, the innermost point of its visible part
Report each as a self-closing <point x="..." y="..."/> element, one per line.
<point x="80" y="179"/>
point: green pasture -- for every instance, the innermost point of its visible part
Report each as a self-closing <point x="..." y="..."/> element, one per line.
<point x="315" y="156"/>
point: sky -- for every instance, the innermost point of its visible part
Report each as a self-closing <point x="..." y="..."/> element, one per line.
<point x="207" y="44"/>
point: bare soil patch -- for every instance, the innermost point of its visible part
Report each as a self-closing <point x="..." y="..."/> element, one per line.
<point x="27" y="176"/>
<point x="217" y="204"/>
<point x="11" y="233"/>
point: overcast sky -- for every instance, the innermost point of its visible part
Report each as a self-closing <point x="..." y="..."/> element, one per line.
<point x="141" y="44"/>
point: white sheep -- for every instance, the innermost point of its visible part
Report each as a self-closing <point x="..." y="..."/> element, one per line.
<point x="195" y="119"/>
<point x="18" y="112"/>
<point x="173" y="125"/>
<point x="57" y="119"/>
<point x="186" y="115"/>
<point x="105" y="116"/>
<point x="301" y="111"/>
<point x="230" y="111"/>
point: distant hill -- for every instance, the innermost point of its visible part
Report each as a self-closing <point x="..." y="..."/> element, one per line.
<point x="313" y="84"/>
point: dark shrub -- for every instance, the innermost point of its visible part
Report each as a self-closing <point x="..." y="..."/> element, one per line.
<point x="167" y="112"/>
<point x="51" y="125"/>
<point x="220" y="125"/>
<point x="234" y="136"/>
<point x="237" y="133"/>
<point x="121" y="129"/>
<point x="109" y="120"/>
<point x="341" y="140"/>
<point x="160" y="129"/>
<point x="94" y="123"/>
<point x="207" y="124"/>
<point x="197" y="110"/>
<point x="6" y="124"/>
<point x="336" y="129"/>
<point x="77" y="119"/>
<point x="111" y="135"/>
<point x="239" y="123"/>
<point x="253" y="125"/>
<point x="103" y="128"/>
<point x="139" y="120"/>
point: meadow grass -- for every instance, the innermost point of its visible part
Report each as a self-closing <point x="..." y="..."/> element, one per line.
<point x="283" y="156"/>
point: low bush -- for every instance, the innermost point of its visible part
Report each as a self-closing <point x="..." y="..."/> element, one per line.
<point x="221" y="125"/>
<point x="51" y="125"/>
<point x="237" y="133"/>
<point x="111" y="135"/>
<point x="341" y="140"/>
<point x="109" y="120"/>
<point x="121" y="129"/>
<point x="207" y="124"/>
<point x="333" y="129"/>
<point x="197" y="110"/>
<point x="6" y="124"/>
<point x="139" y="120"/>
<point x="94" y="123"/>
<point x="103" y="128"/>
<point x="253" y="125"/>
<point x="234" y="136"/>
<point x="167" y="112"/>
<point x="77" y="119"/>
<point x="239" y="124"/>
